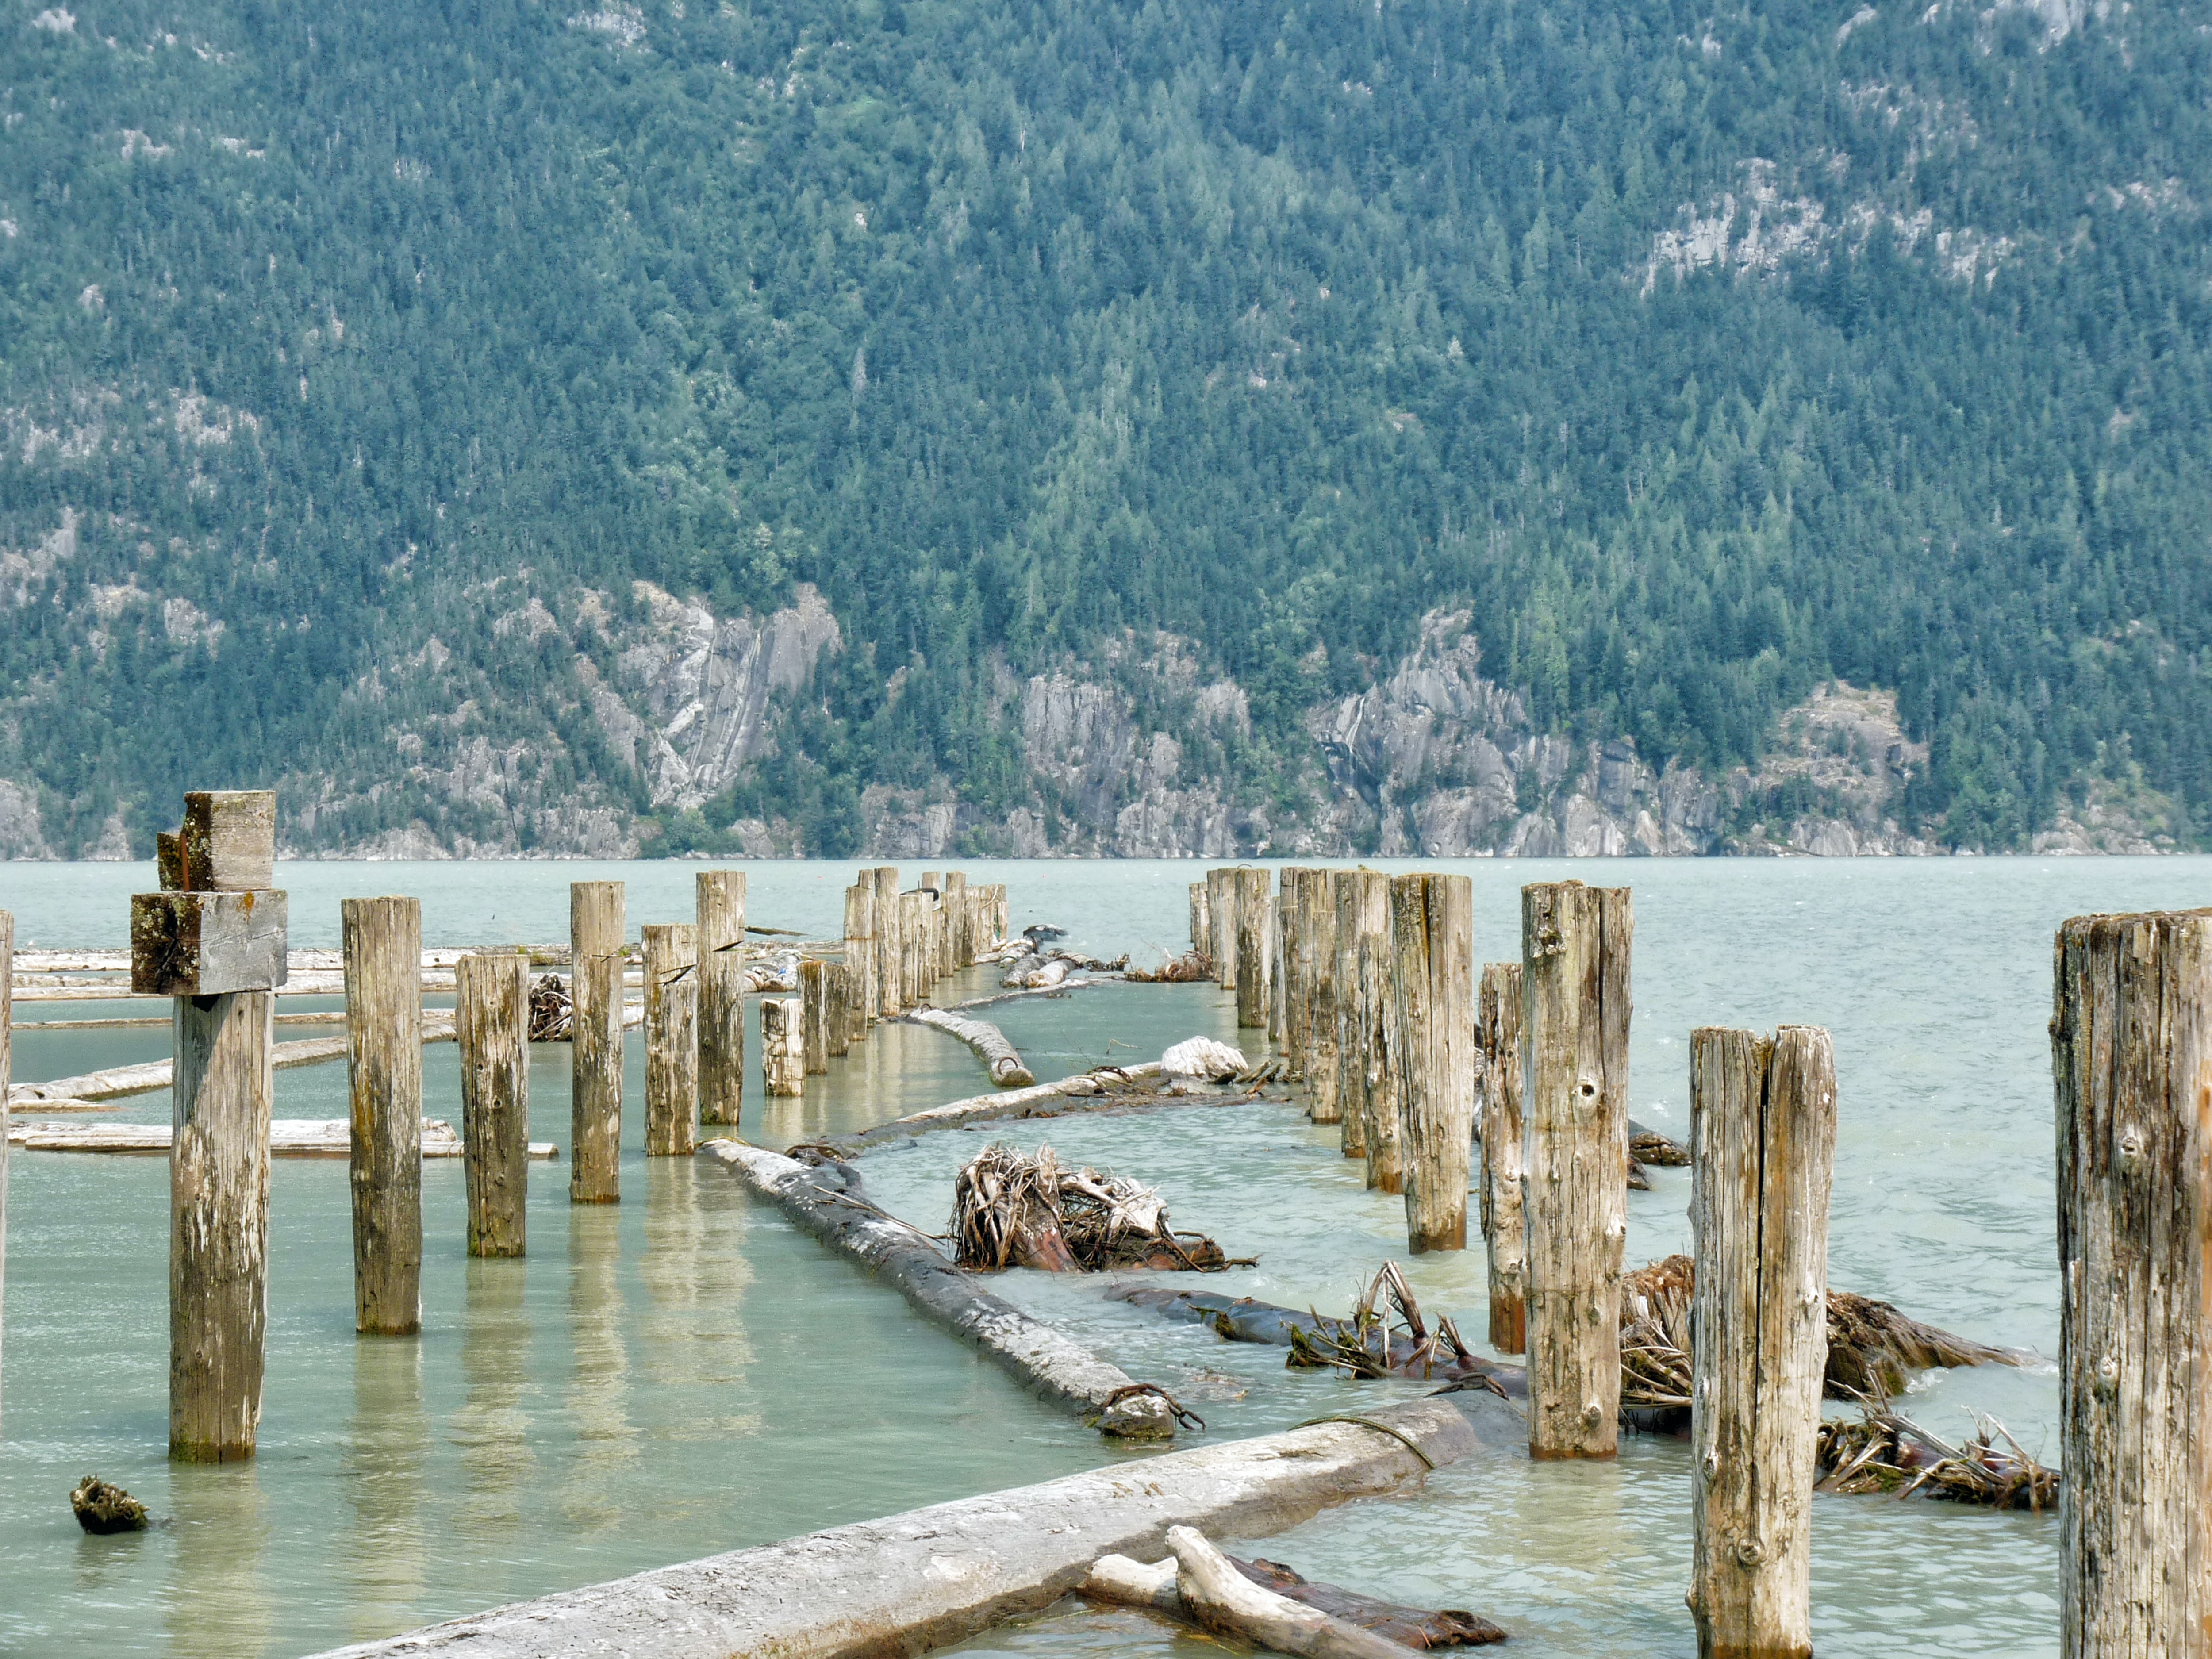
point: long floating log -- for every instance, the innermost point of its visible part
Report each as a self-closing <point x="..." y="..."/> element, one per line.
<point x="988" y="1041"/>
<point x="1040" y="1358"/>
<point x="1035" y="1101"/>
<point x="121" y="1081"/>
<point x="932" y="1576"/>
<point x="289" y="1137"/>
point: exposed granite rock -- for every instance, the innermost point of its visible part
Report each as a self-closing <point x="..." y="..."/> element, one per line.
<point x="22" y="835"/>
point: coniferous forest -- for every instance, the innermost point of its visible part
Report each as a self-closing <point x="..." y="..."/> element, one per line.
<point x="377" y="382"/>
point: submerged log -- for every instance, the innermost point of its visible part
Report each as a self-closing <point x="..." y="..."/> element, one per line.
<point x="1124" y="1583"/>
<point x="1224" y="1600"/>
<point x="988" y="1041"/>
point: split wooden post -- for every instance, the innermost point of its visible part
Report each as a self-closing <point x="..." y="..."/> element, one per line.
<point x="1497" y="1035"/>
<point x="491" y="1022"/>
<point x="860" y="953"/>
<point x="839" y="1011"/>
<point x="1226" y="890"/>
<point x="2131" y="1064"/>
<point x="914" y="972"/>
<point x="940" y="938"/>
<point x="1346" y="1044"/>
<point x="1574" y="944"/>
<point x="7" y="1018"/>
<point x="814" y="1019"/>
<point x="1201" y="923"/>
<point x="891" y="985"/>
<point x="961" y="947"/>
<point x="719" y="943"/>
<point x="671" y="1038"/>
<point x="1325" y="1105"/>
<point x="1255" y="952"/>
<point x="783" y="1065"/>
<point x="383" y="944"/>
<point x="1293" y="958"/>
<point x="1432" y="938"/>
<point x="1379" y="1014"/>
<point x="595" y="1024"/>
<point x="1763" y="1126"/>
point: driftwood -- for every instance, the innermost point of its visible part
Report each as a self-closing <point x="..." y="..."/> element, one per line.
<point x="1887" y="1452"/>
<point x="289" y="1137"/>
<point x="102" y="1508"/>
<point x="1221" y="1599"/>
<point x="1191" y="967"/>
<point x="550" y="1010"/>
<point x="1204" y="1057"/>
<point x="988" y="1041"/>
<point x="1010" y="1210"/>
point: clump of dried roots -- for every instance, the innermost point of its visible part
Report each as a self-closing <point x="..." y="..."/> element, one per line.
<point x="1889" y="1452"/>
<point x="1012" y="1210"/>
<point x="550" y="1010"/>
<point x="1385" y="1336"/>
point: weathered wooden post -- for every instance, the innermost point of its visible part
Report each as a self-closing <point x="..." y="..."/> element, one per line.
<point x="217" y="945"/>
<point x="1201" y="923"/>
<point x="783" y="1064"/>
<point x="1255" y="949"/>
<point x="2131" y="1063"/>
<point x="491" y="1022"/>
<point x="860" y="953"/>
<point x="383" y="944"/>
<point x="890" y="948"/>
<point x="1575" y="943"/>
<point x="671" y="1038"/>
<point x="1379" y="1014"/>
<point x="840" y="1012"/>
<point x="1433" y="939"/>
<point x="1225" y="889"/>
<point x="814" y="1019"/>
<point x="7" y="1018"/>
<point x="1326" y="1104"/>
<point x="960" y="947"/>
<point x="1763" y="1125"/>
<point x="937" y="940"/>
<point x="595" y="1025"/>
<point x="1286" y="1013"/>
<point x="1497" y="1035"/>
<point x="913" y="970"/>
<point x="719" y="943"/>
<point x="1349" y="1062"/>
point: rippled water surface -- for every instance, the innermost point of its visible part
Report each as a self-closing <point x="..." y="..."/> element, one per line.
<point x="685" y="1374"/>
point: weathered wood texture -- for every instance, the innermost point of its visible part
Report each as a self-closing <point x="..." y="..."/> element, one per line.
<point x="1763" y="1123"/>
<point x="289" y="1137"/>
<point x="783" y="1062"/>
<point x="889" y="952"/>
<point x="1432" y="935"/>
<point x="2131" y="1064"/>
<point x="988" y="1041"/>
<point x="1221" y="1599"/>
<point x="961" y="943"/>
<point x="1201" y="923"/>
<point x="1293" y="968"/>
<point x="228" y="842"/>
<point x="383" y="943"/>
<point x="671" y="1039"/>
<point x="1379" y="1014"/>
<point x="718" y="940"/>
<point x="1574" y="944"/>
<point x="1225" y="889"/>
<point x="1347" y="1043"/>
<point x="814" y="1016"/>
<point x="1321" y="1037"/>
<point x="860" y="953"/>
<point x="1255" y="950"/>
<point x="595" y="1048"/>
<point x="913" y="945"/>
<point x="219" y="1224"/>
<point x="492" y="1017"/>
<point x="190" y="944"/>
<point x="1497" y="1035"/>
<point x="7" y="1021"/>
<point x="841" y="1010"/>
<point x="169" y="861"/>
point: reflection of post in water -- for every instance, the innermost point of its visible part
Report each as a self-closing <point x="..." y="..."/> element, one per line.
<point x="599" y="1399"/>
<point x="693" y="1271"/>
<point x="492" y="1426"/>
<point x="386" y="1450"/>
<point x="218" y="1605"/>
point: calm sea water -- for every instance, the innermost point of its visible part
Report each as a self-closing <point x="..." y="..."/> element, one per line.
<point x="684" y="1374"/>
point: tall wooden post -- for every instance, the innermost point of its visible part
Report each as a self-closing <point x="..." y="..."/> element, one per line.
<point x="814" y="1020"/>
<point x="860" y="953"/>
<point x="1763" y="1123"/>
<point x="718" y="941"/>
<point x="1433" y="939"/>
<point x="889" y="947"/>
<point x="960" y="951"/>
<point x="1255" y="949"/>
<point x="383" y="941"/>
<point x="939" y="937"/>
<point x="1497" y="1035"/>
<point x="595" y="1024"/>
<point x="1201" y="923"/>
<point x="914" y="989"/>
<point x="1226" y="888"/>
<point x="671" y="1038"/>
<point x="1380" y="1025"/>
<point x="1293" y="966"/>
<point x="7" y="1018"/>
<point x="1346" y="1043"/>
<point x="1322" y="1035"/>
<point x="491" y="1022"/>
<point x="839" y="1011"/>
<point x="1575" y="943"/>
<point x="783" y="1065"/>
<point x="2131" y="1062"/>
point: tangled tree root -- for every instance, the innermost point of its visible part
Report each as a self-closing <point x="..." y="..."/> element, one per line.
<point x="1011" y="1210"/>
<point x="101" y="1508"/>
<point x="1889" y="1452"/>
<point x="1188" y="969"/>
<point x="550" y="1012"/>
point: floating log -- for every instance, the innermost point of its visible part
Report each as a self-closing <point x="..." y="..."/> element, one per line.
<point x="988" y="1041"/>
<point x="818" y="1197"/>
<point x="120" y="1082"/>
<point x="783" y="1060"/>
<point x="595" y="1053"/>
<point x="1497" y="1035"/>
<point x="1117" y="1579"/>
<point x="930" y="1576"/>
<point x="671" y="1039"/>
<point x="384" y="1079"/>
<point x="1432" y="935"/>
<point x="1224" y="1600"/>
<point x="289" y="1137"/>
<point x="491" y="1019"/>
<point x="718" y="946"/>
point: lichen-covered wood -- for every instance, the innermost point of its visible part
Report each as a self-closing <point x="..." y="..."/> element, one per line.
<point x="383" y="944"/>
<point x="191" y="945"/>
<point x="719" y="944"/>
<point x="595" y="1042"/>
<point x="228" y="842"/>
<point x="492" y="1007"/>
<point x="1497" y="1035"/>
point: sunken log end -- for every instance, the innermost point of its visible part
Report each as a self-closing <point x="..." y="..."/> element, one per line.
<point x="101" y="1508"/>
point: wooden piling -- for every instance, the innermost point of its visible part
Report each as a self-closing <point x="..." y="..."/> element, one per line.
<point x="1255" y="950"/>
<point x="383" y="944"/>
<point x="1575" y="945"/>
<point x="1201" y="923"/>
<point x="719" y="944"/>
<point x="860" y="953"/>
<point x="218" y="1224"/>
<point x="1762" y="1126"/>
<point x="960" y="944"/>
<point x="840" y="1011"/>
<point x="671" y="1038"/>
<point x="1349" y="1061"/>
<point x="1497" y="1037"/>
<point x="7" y="1020"/>
<point x="914" y="961"/>
<point x="1225" y="889"/>
<point x="1378" y="1001"/>
<point x="1293" y="961"/>
<point x="1432" y="938"/>
<point x="891" y="985"/>
<point x="2131" y="1064"/>
<point x="814" y="1018"/>
<point x="491" y="1021"/>
<point x="783" y="1063"/>
<point x="1324" y="1103"/>
<point x="595" y="1060"/>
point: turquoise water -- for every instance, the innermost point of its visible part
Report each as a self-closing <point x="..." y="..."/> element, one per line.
<point x="685" y="1374"/>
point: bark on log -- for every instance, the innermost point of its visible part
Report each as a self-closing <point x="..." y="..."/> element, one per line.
<point x="1574" y="944"/>
<point x="988" y="1041"/>
<point x="1763" y="1120"/>
<point x="783" y="1058"/>
<point x="1503" y="1228"/>
<point x="2131" y="1064"/>
<point x="1432" y="936"/>
<point x="719" y="942"/>
<point x="1224" y="1600"/>
<point x="671" y="1039"/>
<point x="492" y="1017"/>
<point x="860" y="953"/>
<point x="888" y="984"/>
<point x="814" y="1016"/>
<point x="1255" y="950"/>
<point x="1321" y="1032"/>
<point x="219" y="1224"/>
<point x="595" y="1056"/>
<point x="383" y="943"/>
